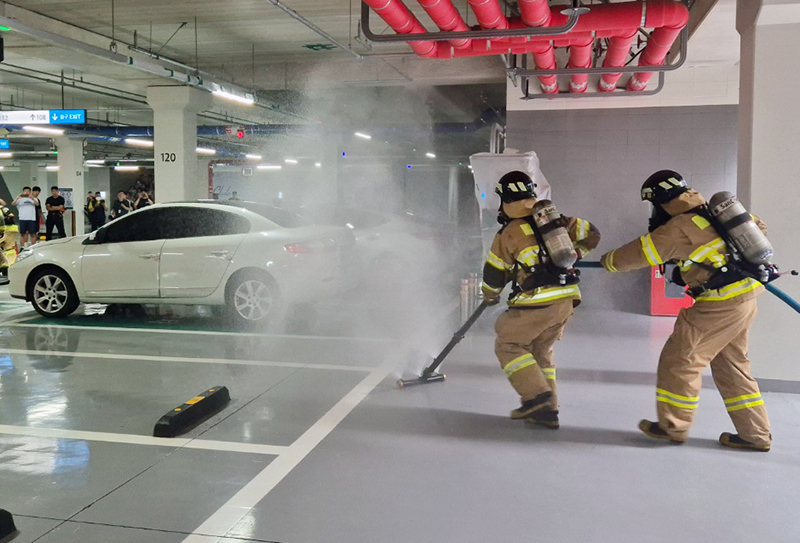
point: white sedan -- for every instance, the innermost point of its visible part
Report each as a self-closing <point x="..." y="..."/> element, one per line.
<point x="239" y="255"/>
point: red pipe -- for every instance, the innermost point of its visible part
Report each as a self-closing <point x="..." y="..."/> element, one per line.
<point x="668" y="19"/>
<point x="489" y="13"/>
<point x="538" y="13"/>
<point x="402" y="21"/>
<point x="580" y="56"/>
<point x="535" y="12"/>
<point x="619" y="47"/>
<point x="447" y="18"/>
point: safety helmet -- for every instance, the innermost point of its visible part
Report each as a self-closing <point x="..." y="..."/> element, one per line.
<point x="515" y="186"/>
<point x="663" y="186"/>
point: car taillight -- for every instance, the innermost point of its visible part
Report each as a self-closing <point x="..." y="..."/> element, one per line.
<point x="316" y="246"/>
<point x="298" y="248"/>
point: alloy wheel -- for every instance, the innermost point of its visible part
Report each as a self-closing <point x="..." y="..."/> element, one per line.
<point x="50" y="293"/>
<point x="252" y="300"/>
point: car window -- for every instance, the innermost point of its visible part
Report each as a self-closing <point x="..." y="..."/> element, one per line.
<point x="194" y="222"/>
<point x="139" y="226"/>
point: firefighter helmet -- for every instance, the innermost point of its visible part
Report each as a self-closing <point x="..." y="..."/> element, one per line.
<point x="515" y="186"/>
<point x="663" y="186"/>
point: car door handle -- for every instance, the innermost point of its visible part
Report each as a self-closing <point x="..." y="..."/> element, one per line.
<point x="220" y="253"/>
<point x="149" y="256"/>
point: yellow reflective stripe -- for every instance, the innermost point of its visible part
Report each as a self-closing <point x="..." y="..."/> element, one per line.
<point x="542" y="294"/>
<point x="497" y="262"/>
<point x="526" y="229"/>
<point x="549" y="373"/>
<point x="484" y="286"/>
<point x="738" y="399"/>
<point x="670" y="401"/>
<point x="582" y="228"/>
<point x="677" y="396"/>
<point x="650" y="252"/>
<point x="704" y="251"/>
<point x="730" y="291"/>
<point x="610" y="262"/>
<point x="701" y="222"/>
<point x="519" y="363"/>
<point x="529" y="256"/>
<point x="665" y="185"/>
<point x="745" y="405"/>
<point x="582" y="251"/>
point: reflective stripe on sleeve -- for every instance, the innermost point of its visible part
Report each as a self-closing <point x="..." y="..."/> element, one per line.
<point x="685" y="402"/>
<point x="484" y="286"/>
<point x="582" y="228"/>
<point x="708" y="251"/>
<point x="497" y="262"/>
<point x="529" y="256"/>
<point x="549" y="373"/>
<point x="650" y="252"/>
<point x="546" y="294"/>
<point x="519" y="363"/>
<point x="729" y="291"/>
<point x="610" y="262"/>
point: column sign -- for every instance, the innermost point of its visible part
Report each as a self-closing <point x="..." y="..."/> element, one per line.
<point x="44" y="116"/>
<point x="5" y="144"/>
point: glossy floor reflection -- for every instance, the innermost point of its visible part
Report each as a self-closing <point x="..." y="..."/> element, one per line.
<point x="318" y="446"/>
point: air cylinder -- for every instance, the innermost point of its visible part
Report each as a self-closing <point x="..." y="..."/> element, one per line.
<point x="554" y="234"/>
<point x="741" y="228"/>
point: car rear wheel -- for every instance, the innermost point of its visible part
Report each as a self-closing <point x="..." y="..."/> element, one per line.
<point x="251" y="299"/>
<point x="53" y="294"/>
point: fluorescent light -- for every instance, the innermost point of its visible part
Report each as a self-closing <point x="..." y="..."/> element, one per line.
<point x="42" y="130"/>
<point x="253" y="157"/>
<point x="247" y="99"/>
<point x="96" y="161"/>
<point x="290" y="161"/>
<point x="51" y="168"/>
<point x="430" y="155"/>
<point x="269" y="167"/>
<point x="95" y="165"/>
<point x="2" y="168"/>
<point x="318" y="164"/>
<point x="139" y="142"/>
<point x="205" y="151"/>
<point x="362" y="135"/>
<point x="6" y="155"/>
<point x="126" y="168"/>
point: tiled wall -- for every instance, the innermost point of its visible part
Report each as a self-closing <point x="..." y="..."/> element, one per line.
<point x="596" y="161"/>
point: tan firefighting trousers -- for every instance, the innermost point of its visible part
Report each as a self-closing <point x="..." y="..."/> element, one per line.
<point x="524" y="347"/>
<point x="8" y="242"/>
<point x="711" y="333"/>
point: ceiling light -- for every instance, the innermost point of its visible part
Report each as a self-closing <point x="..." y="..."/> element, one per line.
<point x="6" y="155"/>
<point x="2" y="168"/>
<point x="96" y="161"/>
<point x="247" y="99"/>
<point x="253" y="157"/>
<point x="205" y="151"/>
<point x="318" y="164"/>
<point x="51" y="168"/>
<point x="269" y="167"/>
<point x="126" y="168"/>
<point x="430" y="155"/>
<point x="290" y="161"/>
<point x="362" y="135"/>
<point x="139" y="142"/>
<point x="42" y="130"/>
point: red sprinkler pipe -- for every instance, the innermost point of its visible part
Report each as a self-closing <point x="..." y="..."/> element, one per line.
<point x="402" y="21"/>
<point x="668" y="19"/>
<point x="537" y="13"/>
<point x="489" y="13"/>
<point x="447" y="18"/>
<point x="619" y="47"/>
<point x="580" y="56"/>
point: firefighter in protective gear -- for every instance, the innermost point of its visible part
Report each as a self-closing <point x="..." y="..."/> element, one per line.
<point x="8" y="239"/>
<point x="539" y="305"/>
<point x="713" y="331"/>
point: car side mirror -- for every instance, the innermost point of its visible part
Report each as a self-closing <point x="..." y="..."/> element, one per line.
<point x="96" y="237"/>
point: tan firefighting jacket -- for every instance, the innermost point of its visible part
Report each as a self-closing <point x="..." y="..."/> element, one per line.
<point x="689" y="240"/>
<point x="515" y="247"/>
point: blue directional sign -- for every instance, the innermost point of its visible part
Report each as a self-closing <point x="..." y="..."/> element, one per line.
<point x="67" y="116"/>
<point x="5" y="144"/>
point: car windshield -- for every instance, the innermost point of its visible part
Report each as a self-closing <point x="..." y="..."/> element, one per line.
<point x="281" y="217"/>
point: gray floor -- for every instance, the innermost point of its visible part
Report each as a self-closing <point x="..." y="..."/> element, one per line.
<point x="318" y="445"/>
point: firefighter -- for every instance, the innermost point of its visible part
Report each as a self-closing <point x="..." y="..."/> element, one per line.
<point x="8" y="239"/>
<point x="713" y="331"/>
<point x="540" y="303"/>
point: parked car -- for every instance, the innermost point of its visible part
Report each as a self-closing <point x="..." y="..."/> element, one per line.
<point x="240" y="255"/>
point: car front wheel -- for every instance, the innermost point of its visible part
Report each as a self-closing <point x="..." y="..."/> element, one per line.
<point x="53" y="294"/>
<point x="251" y="299"/>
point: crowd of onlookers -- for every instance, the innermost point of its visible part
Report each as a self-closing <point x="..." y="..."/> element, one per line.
<point x="31" y="215"/>
<point x="97" y="210"/>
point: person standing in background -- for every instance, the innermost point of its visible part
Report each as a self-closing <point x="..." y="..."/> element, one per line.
<point x="35" y="191"/>
<point x="26" y="207"/>
<point x="122" y="206"/>
<point x="96" y="209"/>
<point x="143" y="200"/>
<point x="56" y="206"/>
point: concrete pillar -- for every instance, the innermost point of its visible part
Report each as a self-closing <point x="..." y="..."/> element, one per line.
<point x="70" y="175"/>
<point x="769" y="162"/>
<point x="175" y="120"/>
<point x="28" y="174"/>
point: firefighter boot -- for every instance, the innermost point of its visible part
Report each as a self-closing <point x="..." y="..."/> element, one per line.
<point x="734" y="441"/>
<point x="531" y="406"/>
<point x="655" y="431"/>
<point x="546" y="417"/>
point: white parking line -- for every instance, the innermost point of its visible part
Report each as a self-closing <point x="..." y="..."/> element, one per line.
<point x="132" y="439"/>
<point x="21" y="323"/>
<point x="114" y="357"/>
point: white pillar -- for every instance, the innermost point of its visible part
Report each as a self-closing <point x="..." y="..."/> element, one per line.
<point x="29" y="176"/>
<point x="175" y="120"/>
<point x="769" y="162"/>
<point x="70" y="175"/>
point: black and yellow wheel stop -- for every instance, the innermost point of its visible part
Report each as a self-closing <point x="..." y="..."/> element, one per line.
<point x="193" y="412"/>
<point x="6" y="524"/>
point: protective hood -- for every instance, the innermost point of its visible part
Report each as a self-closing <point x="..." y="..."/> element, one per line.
<point x="519" y="209"/>
<point x="684" y="202"/>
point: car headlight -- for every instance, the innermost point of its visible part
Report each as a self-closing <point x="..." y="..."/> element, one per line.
<point x="23" y="255"/>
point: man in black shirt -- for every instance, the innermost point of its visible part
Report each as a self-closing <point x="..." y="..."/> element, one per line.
<point x="122" y="206"/>
<point x="55" y="214"/>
